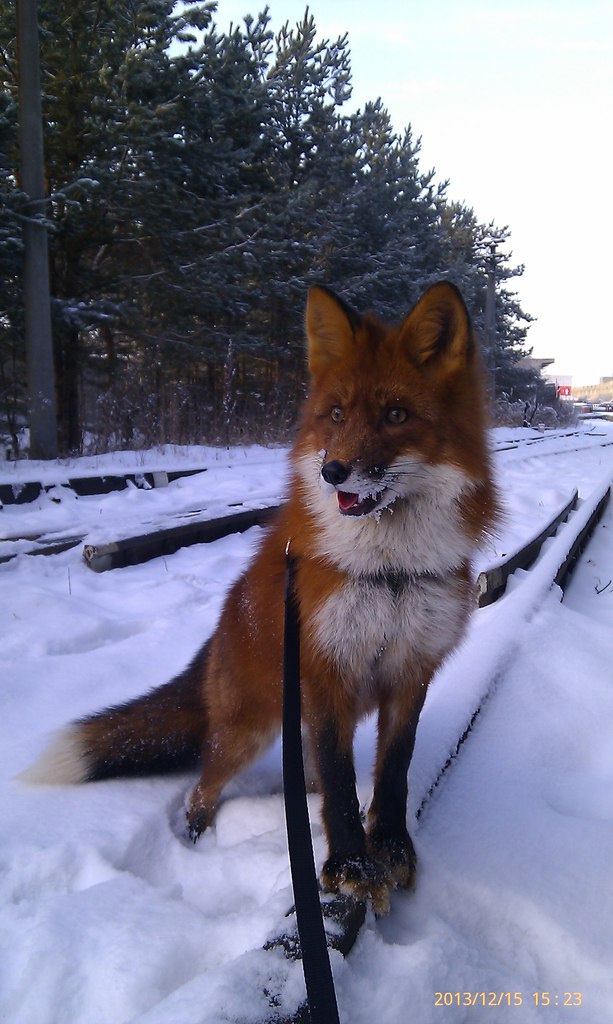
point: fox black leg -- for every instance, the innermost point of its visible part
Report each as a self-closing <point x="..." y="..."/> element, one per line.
<point x="388" y="838"/>
<point x="350" y="868"/>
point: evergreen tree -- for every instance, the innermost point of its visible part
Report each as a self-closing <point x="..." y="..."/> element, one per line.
<point x="305" y="83"/>
<point x="198" y="182"/>
<point x="504" y="339"/>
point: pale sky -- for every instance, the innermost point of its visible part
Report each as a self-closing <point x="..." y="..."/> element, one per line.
<point x="513" y="102"/>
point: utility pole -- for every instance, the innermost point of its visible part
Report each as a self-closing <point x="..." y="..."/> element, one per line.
<point x="490" y="312"/>
<point x="37" y="303"/>
<point x="490" y="260"/>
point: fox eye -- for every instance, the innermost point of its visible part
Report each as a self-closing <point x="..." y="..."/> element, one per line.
<point x="396" y="415"/>
<point x="337" y="414"/>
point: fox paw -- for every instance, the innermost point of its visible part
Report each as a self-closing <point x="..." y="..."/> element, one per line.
<point x="198" y="820"/>
<point x="397" y="853"/>
<point x="362" y="877"/>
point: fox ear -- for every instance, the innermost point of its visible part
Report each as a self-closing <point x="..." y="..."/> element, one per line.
<point x="437" y="333"/>
<point x="330" y="326"/>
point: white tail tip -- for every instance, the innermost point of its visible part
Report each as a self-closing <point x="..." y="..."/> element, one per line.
<point x="62" y="763"/>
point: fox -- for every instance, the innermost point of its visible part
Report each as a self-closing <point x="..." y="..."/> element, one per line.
<point x="390" y="495"/>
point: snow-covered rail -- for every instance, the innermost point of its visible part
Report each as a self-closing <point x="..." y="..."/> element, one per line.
<point x="141" y="548"/>
<point x="134" y="550"/>
<point x="451" y="709"/>
<point x="492" y="581"/>
<point x="454" y="702"/>
<point x="54" y="543"/>
<point x="157" y="542"/>
<point x="549" y="439"/>
<point x="157" y="534"/>
<point x="494" y="850"/>
<point x="24" y="492"/>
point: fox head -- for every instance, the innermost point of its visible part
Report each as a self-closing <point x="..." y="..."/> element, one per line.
<point x="389" y="404"/>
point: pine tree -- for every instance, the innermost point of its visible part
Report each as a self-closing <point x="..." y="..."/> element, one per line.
<point x="504" y="338"/>
<point x="198" y="182"/>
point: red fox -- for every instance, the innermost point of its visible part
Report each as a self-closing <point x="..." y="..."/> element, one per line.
<point x="390" y="494"/>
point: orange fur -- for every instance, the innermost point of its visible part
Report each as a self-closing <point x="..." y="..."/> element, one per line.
<point x="396" y="417"/>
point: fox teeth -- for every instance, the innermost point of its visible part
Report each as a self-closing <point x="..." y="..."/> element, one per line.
<point x="347" y="500"/>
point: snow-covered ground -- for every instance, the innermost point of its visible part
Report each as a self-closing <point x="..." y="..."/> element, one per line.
<point x="107" y="914"/>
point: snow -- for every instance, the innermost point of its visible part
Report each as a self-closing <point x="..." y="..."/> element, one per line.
<point x="107" y="913"/>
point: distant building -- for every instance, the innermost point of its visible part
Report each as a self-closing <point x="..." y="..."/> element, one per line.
<point x="555" y="385"/>
<point x="563" y="385"/>
<point x="601" y="392"/>
<point x="532" y="363"/>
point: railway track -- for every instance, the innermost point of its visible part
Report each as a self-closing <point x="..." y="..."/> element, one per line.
<point x="544" y="438"/>
<point x="460" y="695"/>
<point x="25" y="492"/>
<point x="457" y="700"/>
<point x="511" y="590"/>
<point x="195" y="526"/>
<point x="448" y="719"/>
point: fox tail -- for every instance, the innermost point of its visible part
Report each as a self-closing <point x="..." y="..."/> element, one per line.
<point x="158" y="733"/>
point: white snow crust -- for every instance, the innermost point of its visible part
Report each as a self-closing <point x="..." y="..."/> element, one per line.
<point x="108" y="915"/>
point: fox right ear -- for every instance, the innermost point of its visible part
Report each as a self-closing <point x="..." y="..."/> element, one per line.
<point x="437" y="333"/>
<point x="330" y="326"/>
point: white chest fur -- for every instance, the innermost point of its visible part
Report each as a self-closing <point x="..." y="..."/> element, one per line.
<point x="379" y="635"/>
<point x="375" y="633"/>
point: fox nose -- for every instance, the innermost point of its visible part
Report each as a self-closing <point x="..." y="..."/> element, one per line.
<point x="335" y="472"/>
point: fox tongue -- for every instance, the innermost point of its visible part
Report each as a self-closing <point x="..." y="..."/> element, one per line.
<point x="346" y="500"/>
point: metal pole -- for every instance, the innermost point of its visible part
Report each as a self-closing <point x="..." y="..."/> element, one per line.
<point x="37" y="304"/>
<point x="490" y="314"/>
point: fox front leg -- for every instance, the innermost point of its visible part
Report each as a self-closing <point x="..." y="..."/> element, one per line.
<point x="388" y="837"/>
<point x="350" y="868"/>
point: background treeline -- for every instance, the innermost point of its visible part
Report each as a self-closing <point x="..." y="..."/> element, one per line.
<point x="198" y="181"/>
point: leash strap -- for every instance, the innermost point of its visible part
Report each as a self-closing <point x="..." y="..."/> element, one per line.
<point x="321" y="996"/>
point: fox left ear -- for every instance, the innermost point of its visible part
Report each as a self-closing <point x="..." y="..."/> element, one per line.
<point x="330" y="326"/>
<point x="437" y="333"/>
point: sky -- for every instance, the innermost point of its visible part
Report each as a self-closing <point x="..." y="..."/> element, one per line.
<point x="513" y="103"/>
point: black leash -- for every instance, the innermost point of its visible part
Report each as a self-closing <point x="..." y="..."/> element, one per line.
<point x="321" y="996"/>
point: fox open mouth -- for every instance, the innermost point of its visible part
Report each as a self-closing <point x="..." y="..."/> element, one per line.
<point x="352" y="505"/>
